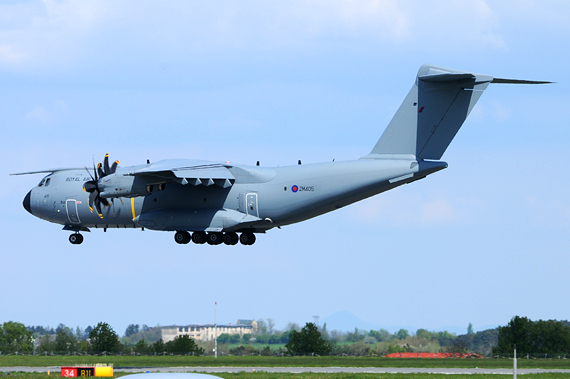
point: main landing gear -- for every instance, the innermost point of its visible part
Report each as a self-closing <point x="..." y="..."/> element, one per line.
<point x="76" y="239"/>
<point x="214" y="238"/>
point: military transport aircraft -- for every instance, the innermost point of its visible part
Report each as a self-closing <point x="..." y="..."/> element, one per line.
<point x="211" y="202"/>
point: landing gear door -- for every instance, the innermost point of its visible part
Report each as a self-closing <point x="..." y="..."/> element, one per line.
<point x="72" y="215"/>
<point x="251" y="202"/>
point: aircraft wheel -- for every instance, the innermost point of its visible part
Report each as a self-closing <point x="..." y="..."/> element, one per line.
<point x="231" y="238"/>
<point x="182" y="237"/>
<point x="199" y="237"/>
<point x="76" y="238"/>
<point x="247" y="238"/>
<point x="214" y="238"/>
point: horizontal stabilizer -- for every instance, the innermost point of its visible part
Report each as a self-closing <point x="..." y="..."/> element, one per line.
<point x="517" y="81"/>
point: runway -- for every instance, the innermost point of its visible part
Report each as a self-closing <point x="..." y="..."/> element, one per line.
<point x="300" y="370"/>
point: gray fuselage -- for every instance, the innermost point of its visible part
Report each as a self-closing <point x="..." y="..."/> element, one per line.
<point x="260" y="198"/>
<point x="215" y="201"/>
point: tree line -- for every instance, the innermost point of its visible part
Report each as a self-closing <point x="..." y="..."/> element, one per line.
<point x="531" y="337"/>
<point x="548" y="337"/>
<point x="15" y="338"/>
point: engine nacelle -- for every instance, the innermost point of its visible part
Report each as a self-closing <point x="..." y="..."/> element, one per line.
<point x="118" y="185"/>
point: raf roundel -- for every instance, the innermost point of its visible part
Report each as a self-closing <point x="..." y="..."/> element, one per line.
<point x="295" y="188"/>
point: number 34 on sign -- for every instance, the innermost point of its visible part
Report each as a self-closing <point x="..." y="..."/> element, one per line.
<point x="83" y="372"/>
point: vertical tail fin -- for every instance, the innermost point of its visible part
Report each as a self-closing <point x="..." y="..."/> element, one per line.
<point x="430" y="116"/>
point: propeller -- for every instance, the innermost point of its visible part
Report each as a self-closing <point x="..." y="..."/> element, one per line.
<point x="92" y="186"/>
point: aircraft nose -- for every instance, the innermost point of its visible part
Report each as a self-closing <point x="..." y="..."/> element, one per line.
<point x="27" y="202"/>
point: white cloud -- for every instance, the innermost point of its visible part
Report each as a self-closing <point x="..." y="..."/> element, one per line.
<point x="63" y="33"/>
<point x="381" y="19"/>
<point x="48" y="32"/>
<point x="409" y="208"/>
<point x="438" y="211"/>
<point x="500" y="112"/>
<point x="9" y="55"/>
<point x="44" y="114"/>
<point x="38" y="114"/>
<point x="456" y="25"/>
<point x="490" y="110"/>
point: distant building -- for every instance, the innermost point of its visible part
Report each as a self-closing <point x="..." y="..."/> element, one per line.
<point x="205" y="332"/>
<point x="252" y="323"/>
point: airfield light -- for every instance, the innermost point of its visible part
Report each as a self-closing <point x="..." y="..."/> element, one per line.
<point x="216" y="330"/>
<point x="515" y="363"/>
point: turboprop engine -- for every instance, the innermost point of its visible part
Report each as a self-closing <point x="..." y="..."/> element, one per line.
<point x="124" y="185"/>
<point x="106" y="183"/>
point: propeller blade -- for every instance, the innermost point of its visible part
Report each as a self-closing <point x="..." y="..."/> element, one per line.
<point x="114" y="167"/>
<point x="98" y="206"/>
<point x="100" y="170"/>
<point x="92" y="186"/>
<point x="92" y="178"/>
<point x="92" y="197"/>
<point x="106" y="168"/>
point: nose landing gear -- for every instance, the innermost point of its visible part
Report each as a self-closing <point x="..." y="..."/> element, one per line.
<point x="76" y="239"/>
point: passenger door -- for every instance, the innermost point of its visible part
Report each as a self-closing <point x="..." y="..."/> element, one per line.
<point x="251" y="202"/>
<point x="72" y="215"/>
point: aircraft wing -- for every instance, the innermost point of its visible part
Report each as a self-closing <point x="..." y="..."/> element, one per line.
<point x="189" y="171"/>
<point x="49" y="171"/>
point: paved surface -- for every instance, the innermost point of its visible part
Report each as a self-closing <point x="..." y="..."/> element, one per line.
<point x="298" y="370"/>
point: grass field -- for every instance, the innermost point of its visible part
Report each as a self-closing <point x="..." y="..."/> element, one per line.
<point x="262" y="375"/>
<point x="256" y="361"/>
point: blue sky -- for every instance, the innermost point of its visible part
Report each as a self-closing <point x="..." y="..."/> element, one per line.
<point x="480" y="242"/>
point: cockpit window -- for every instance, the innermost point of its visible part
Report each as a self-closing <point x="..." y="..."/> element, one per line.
<point x="45" y="181"/>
